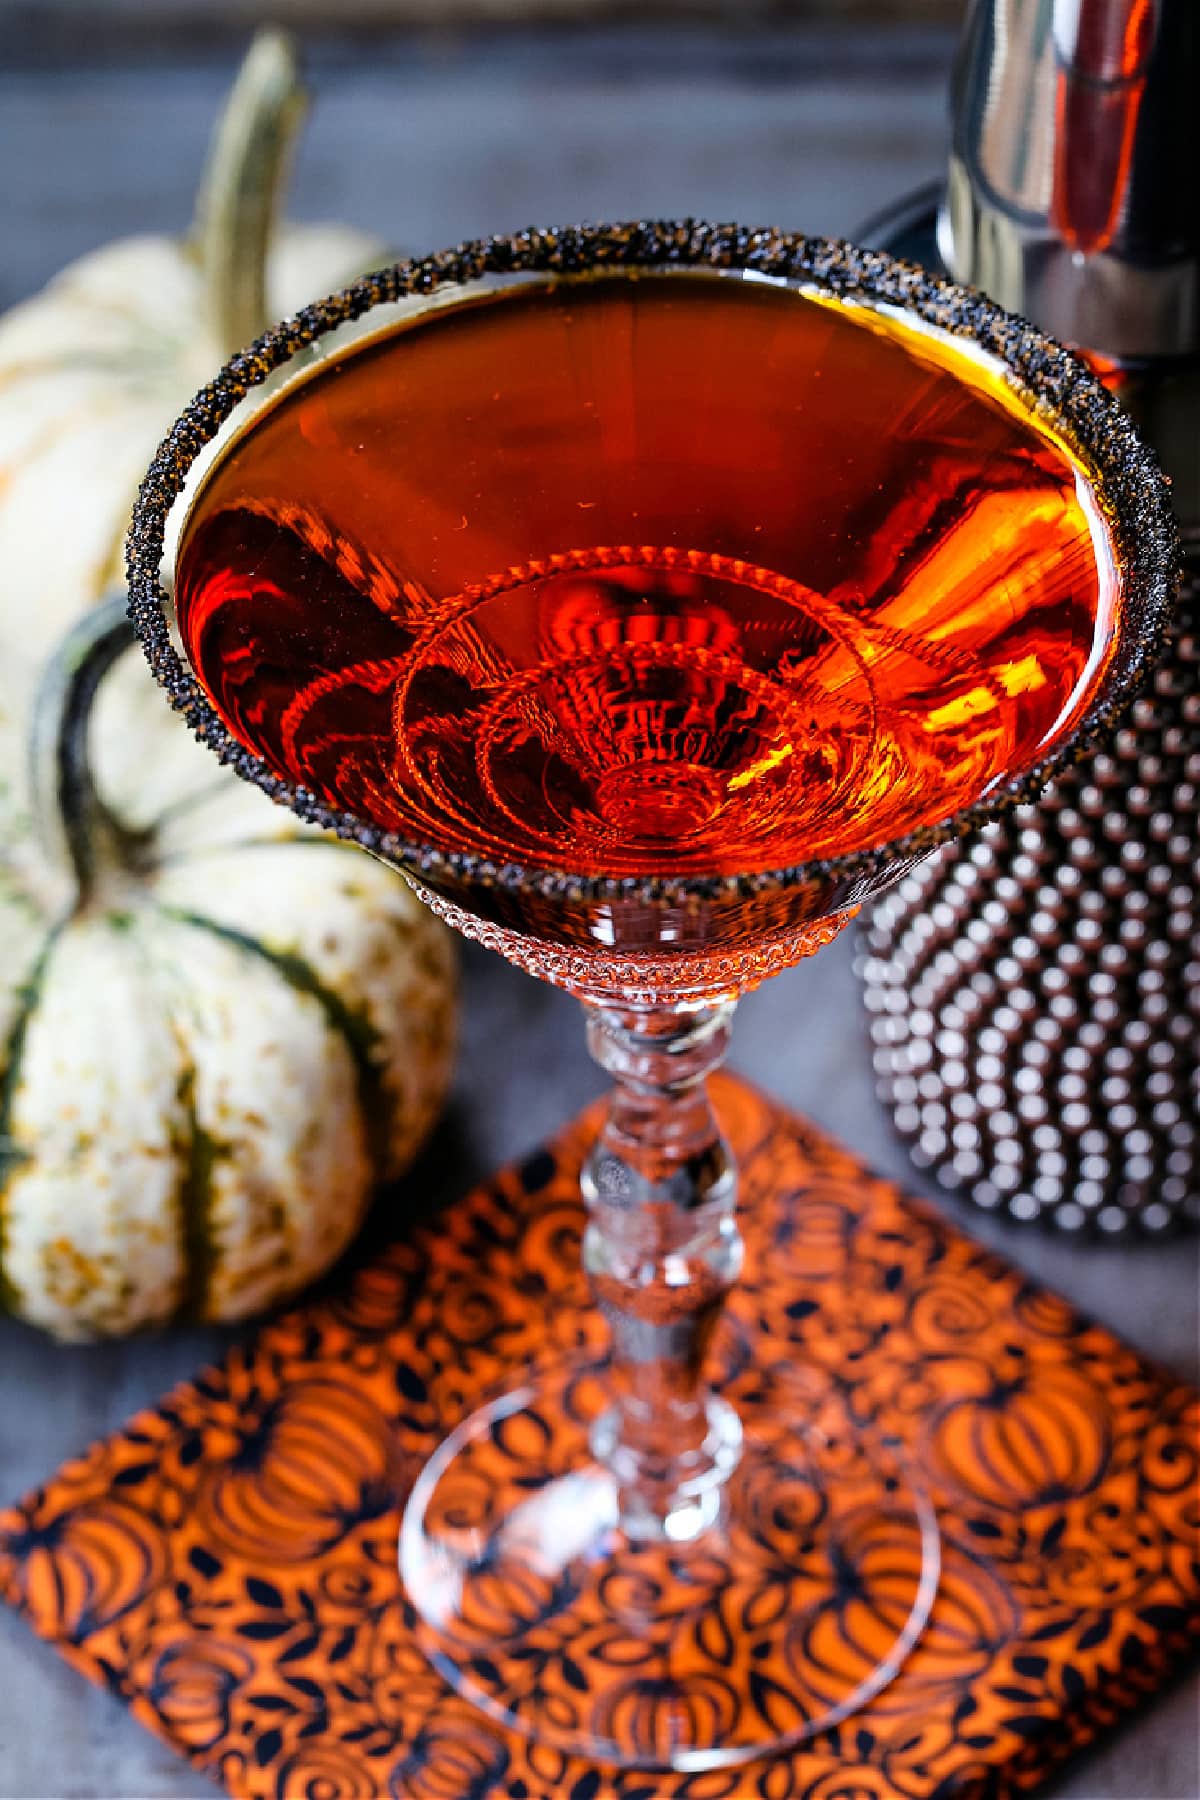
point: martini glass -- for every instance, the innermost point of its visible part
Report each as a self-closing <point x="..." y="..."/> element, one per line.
<point x="651" y="596"/>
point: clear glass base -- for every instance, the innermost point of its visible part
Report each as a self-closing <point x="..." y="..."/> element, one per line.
<point x="779" y="1604"/>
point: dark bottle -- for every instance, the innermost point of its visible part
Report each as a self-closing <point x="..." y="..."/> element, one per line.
<point x="1035" y="996"/>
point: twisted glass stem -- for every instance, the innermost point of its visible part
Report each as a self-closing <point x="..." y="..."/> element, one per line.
<point x="662" y="1250"/>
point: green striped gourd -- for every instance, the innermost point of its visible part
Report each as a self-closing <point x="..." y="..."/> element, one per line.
<point x="217" y="1029"/>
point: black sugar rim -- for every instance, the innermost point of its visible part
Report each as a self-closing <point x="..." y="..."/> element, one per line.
<point x="1060" y="388"/>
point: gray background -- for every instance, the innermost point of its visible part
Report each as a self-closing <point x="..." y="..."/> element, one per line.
<point x="424" y="139"/>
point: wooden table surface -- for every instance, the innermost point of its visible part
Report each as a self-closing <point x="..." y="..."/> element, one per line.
<point x="426" y="141"/>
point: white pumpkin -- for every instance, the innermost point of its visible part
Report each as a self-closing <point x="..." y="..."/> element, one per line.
<point x="216" y="1032"/>
<point x="94" y="368"/>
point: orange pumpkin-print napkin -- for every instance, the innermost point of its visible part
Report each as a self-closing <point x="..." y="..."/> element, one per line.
<point x="227" y="1563"/>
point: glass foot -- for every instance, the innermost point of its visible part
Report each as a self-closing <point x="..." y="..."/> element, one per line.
<point x="786" y="1612"/>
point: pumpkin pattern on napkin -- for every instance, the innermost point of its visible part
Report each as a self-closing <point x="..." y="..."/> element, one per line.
<point x="227" y="1564"/>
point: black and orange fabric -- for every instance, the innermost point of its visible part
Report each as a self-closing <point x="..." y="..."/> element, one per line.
<point x="227" y="1563"/>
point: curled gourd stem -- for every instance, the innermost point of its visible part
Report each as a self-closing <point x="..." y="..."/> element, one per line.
<point x="242" y="186"/>
<point x="77" y="829"/>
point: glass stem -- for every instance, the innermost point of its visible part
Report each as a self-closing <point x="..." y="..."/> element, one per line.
<point x="662" y="1250"/>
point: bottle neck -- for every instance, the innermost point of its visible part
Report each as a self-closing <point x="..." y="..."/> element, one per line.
<point x="1069" y="195"/>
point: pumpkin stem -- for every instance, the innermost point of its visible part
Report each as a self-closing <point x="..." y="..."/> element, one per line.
<point x="242" y="186"/>
<point x="78" y="830"/>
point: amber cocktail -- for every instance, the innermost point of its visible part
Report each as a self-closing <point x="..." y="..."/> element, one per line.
<point x="651" y="596"/>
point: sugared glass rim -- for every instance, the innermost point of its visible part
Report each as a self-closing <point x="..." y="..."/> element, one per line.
<point x="1057" y="385"/>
